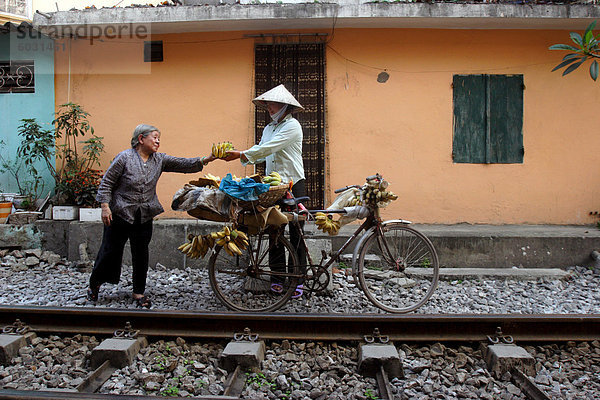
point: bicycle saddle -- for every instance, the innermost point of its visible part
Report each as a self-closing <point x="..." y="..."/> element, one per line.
<point x="294" y="201"/>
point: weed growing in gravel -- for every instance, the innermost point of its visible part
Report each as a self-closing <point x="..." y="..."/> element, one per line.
<point x="370" y="395"/>
<point x="201" y="384"/>
<point x="260" y="379"/>
<point x="162" y="362"/>
<point x="170" y="391"/>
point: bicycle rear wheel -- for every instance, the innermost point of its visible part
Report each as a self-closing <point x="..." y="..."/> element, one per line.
<point x="398" y="269"/>
<point x="261" y="279"/>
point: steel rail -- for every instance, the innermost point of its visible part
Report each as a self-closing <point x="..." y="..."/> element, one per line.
<point x="411" y="327"/>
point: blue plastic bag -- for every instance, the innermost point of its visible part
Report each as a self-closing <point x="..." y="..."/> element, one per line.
<point x="246" y="189"/>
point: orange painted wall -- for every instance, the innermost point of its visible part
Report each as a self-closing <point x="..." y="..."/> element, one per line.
<point x="201" y="94"/>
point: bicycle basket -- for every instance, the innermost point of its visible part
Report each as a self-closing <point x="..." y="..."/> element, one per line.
<point x="266" y="199"/>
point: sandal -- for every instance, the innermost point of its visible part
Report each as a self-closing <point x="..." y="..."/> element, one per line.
<point x="277" y="288"/>
<point x="143" y="302"/>
<point x="298" y="292"/>
<point x="92" y="293"/>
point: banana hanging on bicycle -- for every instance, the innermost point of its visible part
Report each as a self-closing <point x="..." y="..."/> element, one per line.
<point x="374" y="193"/>
<point x="197" y="246"/>
<point x="326" y="224"/>
<point x="233" y="241"/>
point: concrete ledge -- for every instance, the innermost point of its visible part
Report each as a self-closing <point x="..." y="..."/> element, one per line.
<point x="512" y="273"/>
<point x="317" y="15"/>
<point x="458" y="246"/>
<point x="24" y="236"/>
<point x="505" y="246"/>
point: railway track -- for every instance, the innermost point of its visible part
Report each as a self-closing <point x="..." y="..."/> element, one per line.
<point x="405" y="328"/>
<point x="159" y="325"/>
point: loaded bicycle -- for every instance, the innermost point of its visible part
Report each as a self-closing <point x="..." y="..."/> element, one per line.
<point x="394" y="265"/>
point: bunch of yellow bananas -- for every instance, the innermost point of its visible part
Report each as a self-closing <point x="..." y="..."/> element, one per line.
<point x="213" y="177"/>
<point x="232" y="240"/>
<point x="197" y="246"/>
<point x="376" y="195"/>
<point x="326" y="224"/>
<point x="215" y="180"/>
<point x="273" y="179"/>
<point x="220" y="150"/>
<point x="356" y="200"/>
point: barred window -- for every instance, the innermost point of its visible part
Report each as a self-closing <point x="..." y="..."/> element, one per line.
<point x="16" y="7"/>
<point x="17" y="77"/>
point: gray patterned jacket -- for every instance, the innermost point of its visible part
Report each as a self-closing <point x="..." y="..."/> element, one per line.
<point x="129" y="184"/>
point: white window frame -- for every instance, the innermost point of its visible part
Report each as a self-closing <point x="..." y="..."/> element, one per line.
<point x="28" y="11"/>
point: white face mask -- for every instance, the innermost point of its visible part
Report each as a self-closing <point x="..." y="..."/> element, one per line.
<point x="275" y="117"/>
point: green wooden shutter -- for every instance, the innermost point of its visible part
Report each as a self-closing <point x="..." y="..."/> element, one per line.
<point x="506" y="119"/>
<point x="468" y="144"/>
<point x="488" y="119"/>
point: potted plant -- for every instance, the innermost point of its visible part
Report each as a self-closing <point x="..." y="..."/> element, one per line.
<point x="30" y="186"/>
<point x="71" y="163"/>
<point x="5" y="208"/>
<point x="82" y="187"/>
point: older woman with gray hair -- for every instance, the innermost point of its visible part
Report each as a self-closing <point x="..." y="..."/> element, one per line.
<point x="127" y="194"/>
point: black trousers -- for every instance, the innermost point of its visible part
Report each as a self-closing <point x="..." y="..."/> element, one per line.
<point x="107" y="267"/>
<point x="277" y="253"/>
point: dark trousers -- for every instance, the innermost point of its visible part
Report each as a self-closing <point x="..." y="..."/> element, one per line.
<point x="277" y="253"/>
<point x="107" y="267"/>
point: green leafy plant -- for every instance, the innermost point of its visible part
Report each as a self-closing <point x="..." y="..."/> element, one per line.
<point x="71" y="165"/>
<point x="201" y="384"/>
<point x="161" y="361"/>
<point x="585" y="47"/>
<point x="342" y="265"/>
<point x="260" y="379"/>
<point x="369" y="394"/>
<point x="30" y="183"/>
<point x="170" y="391"/>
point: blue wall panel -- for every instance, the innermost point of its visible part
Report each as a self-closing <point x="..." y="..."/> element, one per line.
<point x="18" y="46"/>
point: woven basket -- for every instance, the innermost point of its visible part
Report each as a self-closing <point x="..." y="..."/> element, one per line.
<point x="266" y="199"/>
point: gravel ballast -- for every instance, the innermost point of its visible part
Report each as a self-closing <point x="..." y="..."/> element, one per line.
<point x="33" y="277"/>
<point x="305" y="371"/>
<point x="298" y="370"/>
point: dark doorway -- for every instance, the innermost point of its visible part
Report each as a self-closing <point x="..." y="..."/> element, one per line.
<point x="301" y="68"/>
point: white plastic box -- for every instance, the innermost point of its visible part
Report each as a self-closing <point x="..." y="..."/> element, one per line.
<point x="65" y="213"/>
<point x="90" y="214"/>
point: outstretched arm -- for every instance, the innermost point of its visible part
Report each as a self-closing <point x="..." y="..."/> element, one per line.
<point x="234" y="155"/>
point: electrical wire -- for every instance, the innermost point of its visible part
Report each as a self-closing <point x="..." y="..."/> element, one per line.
<point x="378" y="68"/>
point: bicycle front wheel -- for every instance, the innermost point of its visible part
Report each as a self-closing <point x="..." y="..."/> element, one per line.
<point x="398" y="268"/>
<point x="263" y="278"/>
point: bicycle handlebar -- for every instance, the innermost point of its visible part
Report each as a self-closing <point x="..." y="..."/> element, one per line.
<point x="346" y="188"/>
<point x="376" y="176"/>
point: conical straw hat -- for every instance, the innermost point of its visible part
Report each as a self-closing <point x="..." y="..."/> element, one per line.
<point x="278" y="94"/>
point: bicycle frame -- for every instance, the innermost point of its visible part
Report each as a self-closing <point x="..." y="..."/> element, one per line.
<point x="369" y="223"/>
<point x="388" y="259"/>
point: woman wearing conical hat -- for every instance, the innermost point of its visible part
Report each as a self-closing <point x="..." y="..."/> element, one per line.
<point x="280" y="148"/>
